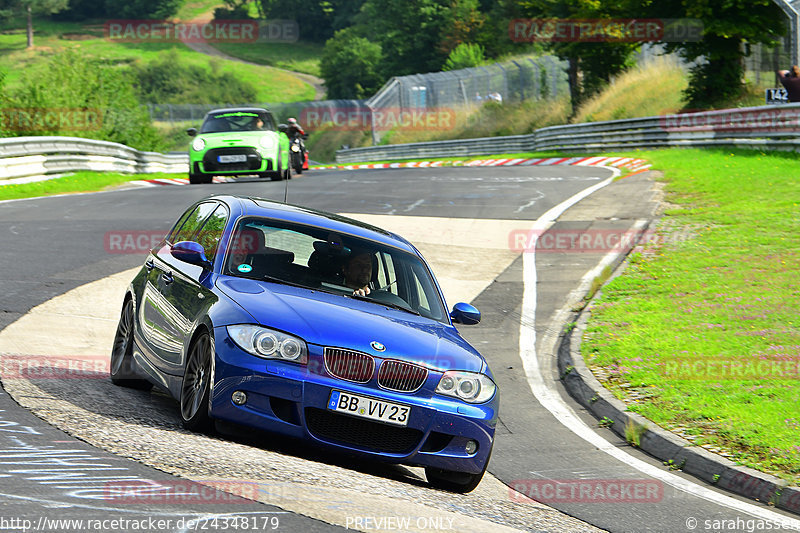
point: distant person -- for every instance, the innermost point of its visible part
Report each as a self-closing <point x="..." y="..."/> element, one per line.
<point x="258" y="124"/>
<point x="791" y="82"/>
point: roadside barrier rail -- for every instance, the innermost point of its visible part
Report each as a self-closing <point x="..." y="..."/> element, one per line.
<point x="22" y="157"/>
<point x="765" y="127"/>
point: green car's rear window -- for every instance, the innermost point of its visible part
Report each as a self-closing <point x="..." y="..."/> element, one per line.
<point x="238" y="121"/>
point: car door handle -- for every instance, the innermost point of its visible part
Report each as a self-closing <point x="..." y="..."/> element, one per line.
<point x="167" y="277"/>
<point x="149" y="265"/>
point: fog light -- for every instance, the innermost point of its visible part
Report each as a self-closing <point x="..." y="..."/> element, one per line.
<point x="471" y="447"/>
<point x="239" y="398"/>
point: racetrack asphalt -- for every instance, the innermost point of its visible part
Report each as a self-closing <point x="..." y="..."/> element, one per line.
<point x="58" y="245"/>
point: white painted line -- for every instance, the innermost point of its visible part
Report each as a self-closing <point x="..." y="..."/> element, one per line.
<point x="547" y="395"/>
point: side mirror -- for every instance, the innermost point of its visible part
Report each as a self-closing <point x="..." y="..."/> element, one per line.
<point x="465" y="314"/>
<point x="192" y="253"/>
<point x="191" y="132"/>
<point x="283" y="128"/>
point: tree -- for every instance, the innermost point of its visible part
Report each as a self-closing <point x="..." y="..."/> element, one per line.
<point x="142" y="9"/>
<point x="318" y="20"/>
<point x="729" y="27"/>
<point x="9" y="8"/>
<point x="591" y="64"/>
<point x="409" y="33"/>
<point x="350" y="65"/>
<point x="463" y="25"/>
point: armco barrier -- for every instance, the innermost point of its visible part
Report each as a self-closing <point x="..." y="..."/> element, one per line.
<point x="764" y="127"/>
<point x="39" y="156"/>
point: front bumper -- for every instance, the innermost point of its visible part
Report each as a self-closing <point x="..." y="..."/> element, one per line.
<point x="292" y="400"/>
<point x="207" y="162"/>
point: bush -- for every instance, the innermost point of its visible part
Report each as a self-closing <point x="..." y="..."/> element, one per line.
<point x="169" y="80"/>
<point x="465" y="55"/>
<point x="87" y="87"/>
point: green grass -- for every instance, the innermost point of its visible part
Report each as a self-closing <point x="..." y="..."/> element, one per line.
<point x="272" y="85"/>
<point x="74" y="183"/>
<point x="194" y="8"/>
<point x="297" y="57"/>
<point x="720" y="286"/>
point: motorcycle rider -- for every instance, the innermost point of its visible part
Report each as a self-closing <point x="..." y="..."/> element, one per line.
<point x="295" y="129"/>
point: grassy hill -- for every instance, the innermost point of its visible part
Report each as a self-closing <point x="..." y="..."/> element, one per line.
<point x="272" y="85"/>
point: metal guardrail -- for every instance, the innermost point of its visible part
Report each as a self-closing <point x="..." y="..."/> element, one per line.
<point x="39" y="156"/>
<point x="765" y="127"/>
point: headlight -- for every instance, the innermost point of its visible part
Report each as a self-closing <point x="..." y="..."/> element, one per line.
<point x="467" y="386"/>
<point x="266" y="141"/>
<point x="265" y="342"/>
<point x="198" y="144"/>
<point x="295" y="148"/>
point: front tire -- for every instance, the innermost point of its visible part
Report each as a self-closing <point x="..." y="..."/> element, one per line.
<point x="297" y="162"/>
<point x="278" y="175"/>
<point x="459" y="482"/>
<point x="196" y="179"/>
<point x="122" y="365"/>
<point x="196" y="385"/>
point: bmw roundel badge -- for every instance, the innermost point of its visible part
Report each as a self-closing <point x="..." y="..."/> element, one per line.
<point x="378" y="347"/>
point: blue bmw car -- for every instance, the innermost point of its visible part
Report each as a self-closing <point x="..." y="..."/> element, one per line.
<point x="314" y="326"/>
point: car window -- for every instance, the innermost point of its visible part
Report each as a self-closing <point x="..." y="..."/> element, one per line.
<point x="176" y="228"/>
<point x="317" y="259"/>
<point x="211" y="232"/>
<point x="195" y="221"/>
<point x="238" y="121"/>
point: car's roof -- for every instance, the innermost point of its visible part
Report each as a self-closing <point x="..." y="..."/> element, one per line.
<point x="235" y="109"/>
<point x="262" y="207"/>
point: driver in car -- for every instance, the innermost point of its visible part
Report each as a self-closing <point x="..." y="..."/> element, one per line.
<point x="357" y="272"/>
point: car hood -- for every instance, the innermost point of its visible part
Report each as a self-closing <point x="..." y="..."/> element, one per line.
<point x="328" y="319"/>
<point x="236" y="137"/>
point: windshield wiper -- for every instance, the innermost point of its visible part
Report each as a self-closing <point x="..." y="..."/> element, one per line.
<point x="385" y="304"/>
<point x="273" y="279"/>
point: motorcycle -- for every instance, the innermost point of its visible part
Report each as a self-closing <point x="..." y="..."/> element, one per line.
<point x="299" y="155"/>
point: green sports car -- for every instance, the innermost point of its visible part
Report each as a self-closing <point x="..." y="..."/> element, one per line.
<point x="236" y="142"/>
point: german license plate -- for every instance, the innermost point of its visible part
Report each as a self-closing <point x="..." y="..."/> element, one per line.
<point x="364" y="407"/>
<point x="234" y="158"/>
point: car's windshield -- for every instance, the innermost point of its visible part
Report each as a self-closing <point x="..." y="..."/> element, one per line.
<point x="341" y="264"/>
<point x="237" y="121"/>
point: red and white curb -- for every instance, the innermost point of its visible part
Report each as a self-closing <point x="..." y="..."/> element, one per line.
<point x="176" y="181"/>
<point x="630" y="163"/>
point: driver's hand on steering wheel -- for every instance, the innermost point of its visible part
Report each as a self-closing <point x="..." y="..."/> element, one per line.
<point x="361" y="292"/>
